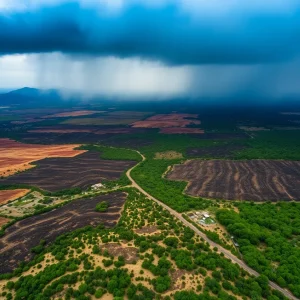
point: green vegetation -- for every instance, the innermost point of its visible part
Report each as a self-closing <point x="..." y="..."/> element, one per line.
<point x="113" y="153"/>
<point x="269" y="239"/>
<point x="102" y="206"/>
<point x="273" y="145"/>
<point x="173" y="248"/>
<point x="149" y="174"/>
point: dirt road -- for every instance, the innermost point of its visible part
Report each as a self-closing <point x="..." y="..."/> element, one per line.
<point x="226" y="253"/>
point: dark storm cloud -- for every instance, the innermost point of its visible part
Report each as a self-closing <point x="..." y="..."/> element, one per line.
<point x="164" y="33"/>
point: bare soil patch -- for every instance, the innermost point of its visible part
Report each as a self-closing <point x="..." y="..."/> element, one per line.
<point x="257" y="180"/>
<point x="147" y="229"/>
<point x="167" y="121"/>
<point x="180" y="130"/>
<point x="54" y="174"/>
<point x="76" y="113"/>
<point x="16" y="157"/>
<point x="103" y="120"/>
<point x="129" y="253"/>
<point x="8" y="195"/>
<point x="4" y="221"/>
<point x="168" y="155"/>
<point x="19" y="238"/>
<point x="66" y="129"/>
<point x="58" y="130"/>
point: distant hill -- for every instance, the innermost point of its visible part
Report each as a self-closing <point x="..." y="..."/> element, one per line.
<point x="29" y="97"/>
<point x="26" y="91"/>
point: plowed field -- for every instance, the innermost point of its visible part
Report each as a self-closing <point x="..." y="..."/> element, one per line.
<point x="8" y="195"/>
<point x="54" y="174"/>
<point x="15" y="156"/>
<point x="258" y="180"/>
<point x="167" y="121"/>
<point x="19" y="238"/>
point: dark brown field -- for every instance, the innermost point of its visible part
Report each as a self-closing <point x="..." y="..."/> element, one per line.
<point x="111" y="139"/>
<point x="8" y="195"/>
<point x="16" y="157"/>
<point x="175" y="130"/>
<point x="55" y="174"/>
<point x="257" y="180"/>
<point x="19" y="238"/>
<point x="168" y="121"/>
<point x="214" y="151"/>
<point x="65" y="129"/>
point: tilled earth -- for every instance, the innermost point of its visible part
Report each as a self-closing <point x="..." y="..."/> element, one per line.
<point x="257" y="180"/>
<point x="19" y="238"/>
<point x="55" y="174"/>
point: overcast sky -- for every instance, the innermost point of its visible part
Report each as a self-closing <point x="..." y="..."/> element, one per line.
<point x="152" y="48"/>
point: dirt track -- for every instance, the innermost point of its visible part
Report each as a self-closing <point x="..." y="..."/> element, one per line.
<point x="257" y="180"/>
<point x="19" y="238"/>
<point x="54" y="174"/>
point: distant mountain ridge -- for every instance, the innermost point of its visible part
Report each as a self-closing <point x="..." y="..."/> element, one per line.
<point x="29" y="96"/>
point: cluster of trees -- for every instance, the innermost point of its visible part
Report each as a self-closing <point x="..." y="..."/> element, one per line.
<point x="269" y="239"/>
<point x="112" y="153"/>
<point x="149" y="176"/>
<point x="102" y="206"/>
<point x="272" y="145"/>
<point x="178" y="246"/>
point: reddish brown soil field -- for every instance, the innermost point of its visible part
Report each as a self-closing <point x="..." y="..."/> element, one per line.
<point x="54" y="174"/>
<point x="4" y="221"/>
<point x="15" y="156"/>
<point x="76" y="113"/>
<point x="172" y="117"/>
<point x="257" y="180"/>
<point x="175" y="130"/>
<point x="8" y="195"/>
<point x="63" y="130"/>
<point x="19" y="238"/>
<point x="167" y="121"/>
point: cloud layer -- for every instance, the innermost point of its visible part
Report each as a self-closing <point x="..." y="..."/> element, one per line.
<point x="139" y="79"/>
<point x="175" y="32"/>
<point x="153" y="48"/>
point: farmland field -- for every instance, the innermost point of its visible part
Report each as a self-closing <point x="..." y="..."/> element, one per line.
<point x="173" y="130"/>
<point x="99" y="121"/>
<point x="8" y="195"/>
<point x="258" y="180"/>
<point x="15" y="156"/>
<point x="15" y="245"/>
<point x="76" y="113"/>
<point x="168" y="120"/>
<point x="54" y="174"/>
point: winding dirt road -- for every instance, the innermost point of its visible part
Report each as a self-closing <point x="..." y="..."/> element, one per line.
<point x="226" y="253"/>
